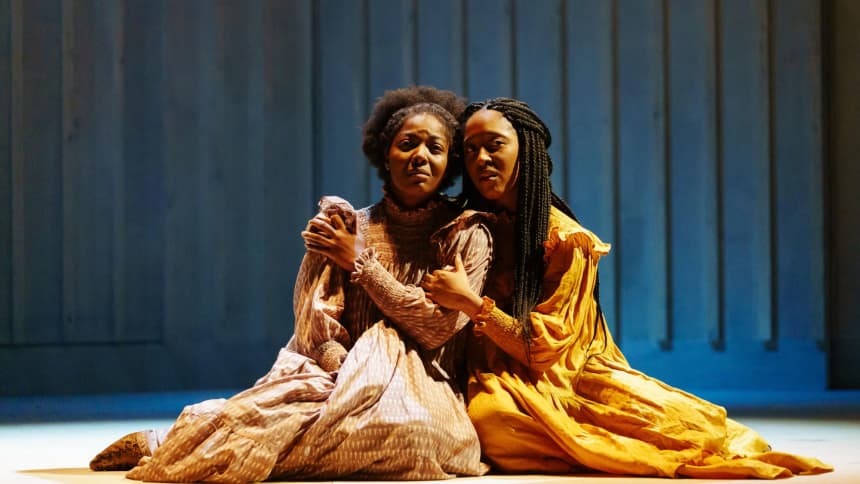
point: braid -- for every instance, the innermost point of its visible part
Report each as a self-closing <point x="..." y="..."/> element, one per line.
<point x="534" y="201"/>
<point x="533" y="205"/>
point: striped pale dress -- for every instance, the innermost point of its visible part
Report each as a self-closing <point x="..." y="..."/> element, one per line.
<point x="392" y="410"/>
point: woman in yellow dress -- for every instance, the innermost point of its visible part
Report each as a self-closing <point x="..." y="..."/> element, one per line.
<point x="549" y="391"/>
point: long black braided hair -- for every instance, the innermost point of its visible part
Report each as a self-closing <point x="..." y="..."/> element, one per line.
<point x="534" y="199"/>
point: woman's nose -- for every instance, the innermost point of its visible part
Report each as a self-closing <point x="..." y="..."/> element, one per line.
<point x="419" y="157"/>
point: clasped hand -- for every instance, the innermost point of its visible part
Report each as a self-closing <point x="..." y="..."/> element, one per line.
<point x="451" y="289"/>
<point x="329" y="237"/>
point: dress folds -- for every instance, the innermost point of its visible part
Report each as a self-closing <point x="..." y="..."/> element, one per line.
<point x="392" y="409"/>
<point x="570" y="401"/>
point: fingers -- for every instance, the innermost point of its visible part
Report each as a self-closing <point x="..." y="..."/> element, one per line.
<point x="313" y="239"/>
<point x="319" y="218"/>
<point x="337" y="222"/>
<point x="428" y="282"/>
<point x="320" y="226"/>
<point x="458" y="263"/>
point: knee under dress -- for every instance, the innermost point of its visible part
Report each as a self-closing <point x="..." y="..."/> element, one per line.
<point x="569" y="401"/>
<point x="392" y="410"/>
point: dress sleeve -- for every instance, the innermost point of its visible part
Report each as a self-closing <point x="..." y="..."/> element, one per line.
<point x="318" y="300"/>
<point x="406" y="304"/>
<point x="562" y="318"/>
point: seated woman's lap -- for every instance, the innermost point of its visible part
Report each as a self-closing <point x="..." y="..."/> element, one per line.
<point x="514" y="441"/>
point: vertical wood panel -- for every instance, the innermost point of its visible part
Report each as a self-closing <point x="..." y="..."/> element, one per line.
<point x="798" y="151"/>
<point x="392" y="55"/>
<point x="37" y="233"/>
<point x="111" y="149"/>
<point x="342" y="81"/>
<point x="182" y="154"/>
<point x="255" y="255"/>
<point x="590" y="173"/>
<point x="692" y="145"/>
<point x="288" y="155"/>
<point x="5" y="172"/>
<point x="745" y="170"/>
<point x="844" y="107"/>
<point x="141" y="258"/>
<point x="392" y="62"/>
<point x="210" y="305"/>
<point x="489" y="44"/>
<point x="234" y="142"/>
<point x="92" y="123"/>
<point x="540" y="72"/>
<point x="642" y="161"/>
<point x="440" y="44"/>
<point x="441" y="50"/>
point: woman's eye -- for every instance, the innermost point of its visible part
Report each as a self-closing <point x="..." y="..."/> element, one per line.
<point x="494" y="146"/>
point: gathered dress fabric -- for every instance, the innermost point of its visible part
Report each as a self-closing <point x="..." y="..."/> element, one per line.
<point x="569" y="401"/>
<point x="393" y="409"/>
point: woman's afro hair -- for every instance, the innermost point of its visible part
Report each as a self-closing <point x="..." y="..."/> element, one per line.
<point x="392" y="109"/>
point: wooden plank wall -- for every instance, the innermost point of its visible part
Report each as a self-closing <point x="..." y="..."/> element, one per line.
<point x="5" y="173"/>
<point x="843" y="149"/>
<point x="158" y="160"/>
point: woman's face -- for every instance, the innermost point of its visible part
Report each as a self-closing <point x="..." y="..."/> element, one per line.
<point x="417" y="159"/>
<point x="491" y="149"/>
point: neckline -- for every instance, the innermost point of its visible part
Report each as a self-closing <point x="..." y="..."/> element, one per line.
<point x="412" y="216"/>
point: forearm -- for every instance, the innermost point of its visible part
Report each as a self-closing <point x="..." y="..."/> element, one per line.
<point x="504" y="330"/>
<point x="318" y="303"/>
<point x="406" y="305"/>
<point x="469" y="303"/>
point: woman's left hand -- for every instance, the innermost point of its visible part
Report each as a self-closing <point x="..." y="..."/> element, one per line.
<point x="451" y="289"/>
<point x="331" y="238"/>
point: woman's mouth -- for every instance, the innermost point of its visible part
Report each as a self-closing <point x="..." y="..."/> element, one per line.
<point x="420" y="175"/>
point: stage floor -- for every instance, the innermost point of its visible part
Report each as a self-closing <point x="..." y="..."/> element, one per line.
<point x="59" y="451"/>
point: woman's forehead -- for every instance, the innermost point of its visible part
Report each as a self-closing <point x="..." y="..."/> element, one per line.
<point x="488" y="122"/>
<point x="425" y="122"/>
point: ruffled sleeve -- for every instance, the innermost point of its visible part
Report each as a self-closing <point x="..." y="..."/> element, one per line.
<point x="406" y="304"/>
<point x="563" y="316"/>
<point x="318" y="299"/>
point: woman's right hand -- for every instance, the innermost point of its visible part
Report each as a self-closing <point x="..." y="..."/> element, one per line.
<point x="451" y="289"/>
<point x="329" y="237"/>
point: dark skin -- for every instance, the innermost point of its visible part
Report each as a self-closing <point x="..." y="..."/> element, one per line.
<point x="416" y="163"/>
<point x="330" y="237"/>
<point x="491" y="151"/>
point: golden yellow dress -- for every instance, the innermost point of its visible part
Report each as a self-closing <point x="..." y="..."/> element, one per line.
<point x="579" y="405"/>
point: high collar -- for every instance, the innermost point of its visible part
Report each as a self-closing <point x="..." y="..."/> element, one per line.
<point x="420" y="215"/>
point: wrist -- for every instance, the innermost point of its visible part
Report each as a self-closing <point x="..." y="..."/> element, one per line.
<point x="473" y="306"/>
